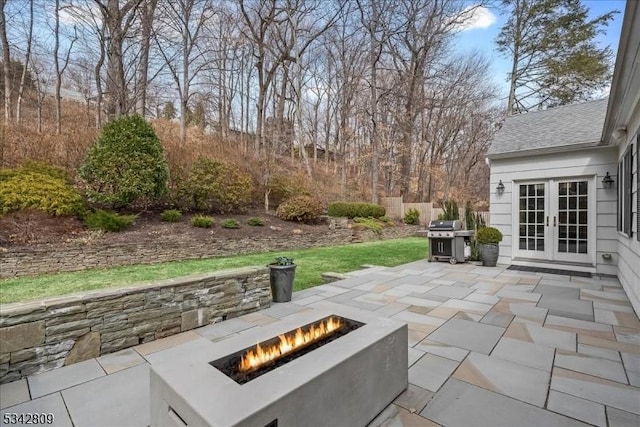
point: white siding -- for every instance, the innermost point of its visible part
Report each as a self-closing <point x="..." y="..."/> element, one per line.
<point x="589" y="162"/>
<point x="629" y="247"/>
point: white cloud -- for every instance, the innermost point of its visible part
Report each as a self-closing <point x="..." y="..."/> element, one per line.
<point x="85" y="14"/>
<point x="476" y="17"/>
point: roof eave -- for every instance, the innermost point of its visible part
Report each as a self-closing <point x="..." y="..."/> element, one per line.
<point x="545" y="150"/>
<point x="629" y="38"/>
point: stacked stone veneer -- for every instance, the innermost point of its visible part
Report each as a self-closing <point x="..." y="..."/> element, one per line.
<point x="42" y="335"/>
<point x="31" y="260"/>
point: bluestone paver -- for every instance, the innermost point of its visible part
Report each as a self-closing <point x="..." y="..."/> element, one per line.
<point x="511" y="379"/>
<point x="14" y="393"/>
<point x="120" y="360"/>
<point x="431" y="371"/>
<point x="443" y="350"/>
<point x="414" y="398"/>
<point x="65" y="377"/>
<point x="120" y="399"/>
<point x="50" y="404"/>
<point x="223" y="329"/>
<point x="459" y="404"/>
<point x="539" y="335"/>
<point x="413" y="355"/>
<point x="451" y="291"/>
<point x="591" y="365"/>
<point x="468" y="335"/>
<point x="567" y="307"/>
<point x="524" y="353"/>
<point x="610" y="393"/>
<point x="618" y="418"/>
<point x="396" y="416"/>
<point x="580" y="409"/>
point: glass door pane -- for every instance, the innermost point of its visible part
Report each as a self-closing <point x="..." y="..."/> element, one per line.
<point x="531" y="215"/>
<point x="572" y="234"/>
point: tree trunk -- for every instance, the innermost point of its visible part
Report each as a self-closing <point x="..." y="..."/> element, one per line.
<point x="23" y="77"/>
<point x="56" y="62"/>
<point x="98" y="77"/>
<point x="374" y="109"/>
<point x="6" y="62"/>
<point x="147" y="15"/>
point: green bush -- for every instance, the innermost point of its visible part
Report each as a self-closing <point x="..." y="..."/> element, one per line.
<point x="256" y="221"/>
<point x="412" y="216"/>
<point x="283" y="260"/>
<point x="488" y="235"/>
<point x="202" y="221"/>
<point x="300" y="208"/>
<point x="171" y="215"/>
<point x="36" y="167"/>
<point x="286" y="186"/>
<point x="370" y="223"/>
<point x="108" y="221"/>
<point x="473" y="219"/>
<point x="125" y="164"/>
<point x="40" y="187"/>
<point x="387" y="221"/>
<point x="216" y="187"/>
<point x="356" y="209"/>
<point x="230" y="223"/>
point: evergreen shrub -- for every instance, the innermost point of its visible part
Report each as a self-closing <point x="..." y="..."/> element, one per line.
<point x="356" y="209"/>
<point x="300" y="208"/>
<point x="125" y="164"/>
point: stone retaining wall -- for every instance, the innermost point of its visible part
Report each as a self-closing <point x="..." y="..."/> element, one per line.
<point x="23" y="261"/>
<point x="42" y="335"/>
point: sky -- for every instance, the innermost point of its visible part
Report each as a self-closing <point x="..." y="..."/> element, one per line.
<point x="481" y="36"/>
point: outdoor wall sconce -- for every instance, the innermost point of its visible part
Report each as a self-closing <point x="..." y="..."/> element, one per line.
<point x="607" y="181"/>
<point x="500" y="187"/>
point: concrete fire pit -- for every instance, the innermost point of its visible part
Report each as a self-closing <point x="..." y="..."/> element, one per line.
<point x="345" y="382"/>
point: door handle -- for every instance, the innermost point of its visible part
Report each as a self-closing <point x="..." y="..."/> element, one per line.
<point x="547" y="220"/>
<point x="554" y="220"/>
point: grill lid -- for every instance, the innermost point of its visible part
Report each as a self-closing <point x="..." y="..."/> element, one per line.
<point x="447" y="225"/>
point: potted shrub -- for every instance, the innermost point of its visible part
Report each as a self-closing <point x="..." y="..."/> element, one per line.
<point x="281" y="277"/>
<point x="488" y="239"/>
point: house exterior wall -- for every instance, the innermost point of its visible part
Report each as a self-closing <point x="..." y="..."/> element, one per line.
<point x="629" y="247"/>
<point x="594" y="162"/>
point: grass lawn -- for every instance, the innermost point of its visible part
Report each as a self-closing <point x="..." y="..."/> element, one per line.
<point x="311" y="264"/>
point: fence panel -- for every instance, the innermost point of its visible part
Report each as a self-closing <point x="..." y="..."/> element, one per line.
<point x="423" y="208"/>
<point x="396" y="209"/>
<point x="393" y="206"/>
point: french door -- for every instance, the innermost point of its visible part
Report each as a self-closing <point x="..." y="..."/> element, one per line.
<point x="555" y="220"/>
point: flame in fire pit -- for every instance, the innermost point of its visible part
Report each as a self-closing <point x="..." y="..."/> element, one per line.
<point x="288" y="343"/>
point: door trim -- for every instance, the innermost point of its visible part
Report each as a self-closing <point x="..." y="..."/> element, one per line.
<point x="546" y="257"/>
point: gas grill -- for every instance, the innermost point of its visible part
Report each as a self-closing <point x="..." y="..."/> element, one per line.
<point x="447" y="241"/>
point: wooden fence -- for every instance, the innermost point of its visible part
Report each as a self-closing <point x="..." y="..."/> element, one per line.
<point x="396" y="208"/>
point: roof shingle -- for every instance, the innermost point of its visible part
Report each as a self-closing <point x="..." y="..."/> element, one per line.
<point x="556" y="127"/>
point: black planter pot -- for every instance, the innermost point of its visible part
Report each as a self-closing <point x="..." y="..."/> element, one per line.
<point x="281" y="278"/>
<point x="489" y="254"/>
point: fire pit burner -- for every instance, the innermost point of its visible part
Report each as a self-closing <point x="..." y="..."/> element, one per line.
<point x="249" y="363"/>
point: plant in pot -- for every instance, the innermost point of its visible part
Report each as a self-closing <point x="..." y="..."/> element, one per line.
<point x="282" y="273"/>
<point x="488" y="239"/>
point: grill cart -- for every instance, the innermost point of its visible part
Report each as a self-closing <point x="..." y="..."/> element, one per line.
<point x="447" y="241"/>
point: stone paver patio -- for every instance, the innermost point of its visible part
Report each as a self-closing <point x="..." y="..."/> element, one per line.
<point x="487" y="347"/>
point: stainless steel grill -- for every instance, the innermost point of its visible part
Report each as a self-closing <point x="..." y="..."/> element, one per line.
<point x="447" y="241"/>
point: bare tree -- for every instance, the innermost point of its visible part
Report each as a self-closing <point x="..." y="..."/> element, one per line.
<point x="6" y="62"/>
<point x="25" y="68"/>
<point x="60" y="69"/>
<point x="117" y="19"/>
<point x="147" y="15"/>
<point x="427" y="27"/>
<point x="185" y="55"/>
